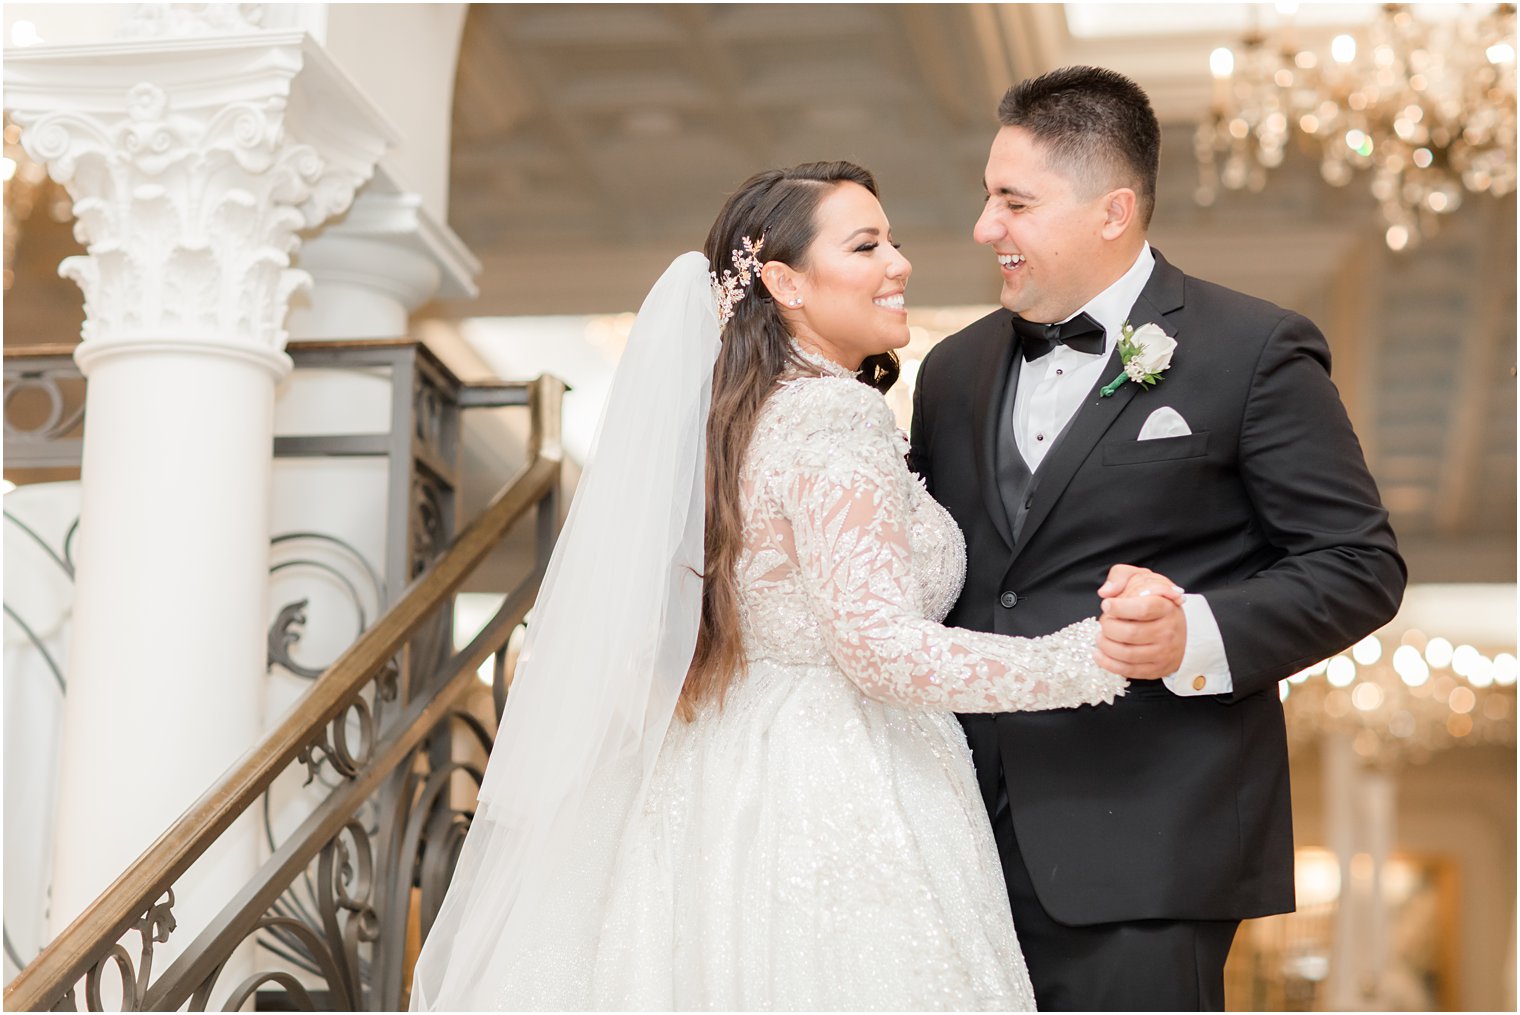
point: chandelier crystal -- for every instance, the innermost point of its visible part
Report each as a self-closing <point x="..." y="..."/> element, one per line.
<point x="1406" y="702"/>
<point x="1426" y="108"/>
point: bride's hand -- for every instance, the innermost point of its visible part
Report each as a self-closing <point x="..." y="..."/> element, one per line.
<point x="1144" y="630"/>
<point x="1129" y="580"/>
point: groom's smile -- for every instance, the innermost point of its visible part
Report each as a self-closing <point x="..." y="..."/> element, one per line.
<point x="1046" y="223"/>
<point x="1011" y="266"/>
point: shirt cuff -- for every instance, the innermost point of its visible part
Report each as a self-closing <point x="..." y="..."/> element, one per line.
<point x="1204" y="669"/>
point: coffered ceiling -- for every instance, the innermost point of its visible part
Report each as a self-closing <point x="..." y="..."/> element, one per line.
<point x="593" y="143"/>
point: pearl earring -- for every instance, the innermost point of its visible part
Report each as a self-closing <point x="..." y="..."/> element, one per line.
<point x="796" y="301"/>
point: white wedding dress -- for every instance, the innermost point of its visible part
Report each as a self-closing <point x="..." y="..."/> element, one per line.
<point x="818" y="841"/>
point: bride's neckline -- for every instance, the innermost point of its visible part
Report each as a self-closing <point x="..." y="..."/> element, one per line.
<point x="822" y="362"/>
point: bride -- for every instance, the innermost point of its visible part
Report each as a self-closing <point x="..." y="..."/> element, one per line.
<point x="729" y="774"/>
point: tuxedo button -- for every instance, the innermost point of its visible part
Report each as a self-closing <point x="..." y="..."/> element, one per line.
<point x="1199" y="683"/>
<point x="1009" y="599"/>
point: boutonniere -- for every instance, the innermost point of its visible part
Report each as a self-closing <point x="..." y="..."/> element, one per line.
<point x="1146" y="352"/>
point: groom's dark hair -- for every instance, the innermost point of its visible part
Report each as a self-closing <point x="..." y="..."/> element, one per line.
<point x="1095" y="125"/>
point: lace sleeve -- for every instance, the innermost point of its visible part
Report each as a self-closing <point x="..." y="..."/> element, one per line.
<point x="846" y="497"/>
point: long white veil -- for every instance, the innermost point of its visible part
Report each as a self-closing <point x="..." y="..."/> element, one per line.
<point x="611" y="638"/>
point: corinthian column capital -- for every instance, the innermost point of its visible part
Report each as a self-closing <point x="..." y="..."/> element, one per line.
<point x="195" y="164"/>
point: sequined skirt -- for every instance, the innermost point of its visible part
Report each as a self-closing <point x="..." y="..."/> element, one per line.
<point x="806" y="847"/>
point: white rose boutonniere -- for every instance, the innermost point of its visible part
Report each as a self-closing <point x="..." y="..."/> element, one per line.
<point x="1146" y="352"/>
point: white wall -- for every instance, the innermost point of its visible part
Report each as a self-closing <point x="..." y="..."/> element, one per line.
<point x="62" y="24"/>
<point x="403" y="56"/>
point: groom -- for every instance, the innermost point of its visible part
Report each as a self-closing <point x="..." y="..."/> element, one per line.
<point x="1135" y="837"/>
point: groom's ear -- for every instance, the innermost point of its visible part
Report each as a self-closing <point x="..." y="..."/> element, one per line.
<point x="1118" y="212"/>
<point x="779" y="280"/>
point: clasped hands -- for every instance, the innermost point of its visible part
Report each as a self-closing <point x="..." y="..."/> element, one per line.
<point x="1144" y="630"/>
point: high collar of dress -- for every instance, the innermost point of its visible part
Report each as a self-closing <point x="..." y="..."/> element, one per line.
<point x="821" y="361"/>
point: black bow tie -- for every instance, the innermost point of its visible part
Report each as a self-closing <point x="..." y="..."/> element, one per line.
<point x="1081" y="333"/>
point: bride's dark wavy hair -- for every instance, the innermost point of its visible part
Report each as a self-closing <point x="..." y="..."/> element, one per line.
<point x="781" y="205"/>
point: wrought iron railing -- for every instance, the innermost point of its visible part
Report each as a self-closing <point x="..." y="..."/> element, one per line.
<point x="337" y="895"/>
<point x="328" y="587"/>
<point x="44" y="421"/>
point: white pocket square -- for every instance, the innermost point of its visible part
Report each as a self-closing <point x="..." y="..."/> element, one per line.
<point x="1164" y="422"/>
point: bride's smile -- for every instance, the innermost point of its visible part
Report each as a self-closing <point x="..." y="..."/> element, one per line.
<point x="849" y="301"/>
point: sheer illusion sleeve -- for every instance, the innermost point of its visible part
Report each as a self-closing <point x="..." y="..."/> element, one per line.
<point x="846" y="495"/>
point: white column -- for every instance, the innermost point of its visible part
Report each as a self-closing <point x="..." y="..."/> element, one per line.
<point x="1360" y="828"/>
<point x="193" y="164"/>
<point x="1379" y="803"/>
<point x="1338" y="761"/>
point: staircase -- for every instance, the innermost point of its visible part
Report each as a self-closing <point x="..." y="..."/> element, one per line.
<point x="384" y="740"/>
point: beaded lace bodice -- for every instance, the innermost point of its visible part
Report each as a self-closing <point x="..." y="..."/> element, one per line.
<point x="849" y="562"/>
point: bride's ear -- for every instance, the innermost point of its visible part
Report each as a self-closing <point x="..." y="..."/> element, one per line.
<point x="780" y="281"/>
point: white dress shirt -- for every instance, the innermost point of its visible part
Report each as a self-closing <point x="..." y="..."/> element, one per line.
<point x="1051" y="390"/>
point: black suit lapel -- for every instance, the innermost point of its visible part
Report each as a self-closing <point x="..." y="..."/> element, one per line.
<point x="996" y="361"/>
<point x="1162" y="295"/>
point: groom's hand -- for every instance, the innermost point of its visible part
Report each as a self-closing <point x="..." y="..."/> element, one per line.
<point x="1144" y="630"/>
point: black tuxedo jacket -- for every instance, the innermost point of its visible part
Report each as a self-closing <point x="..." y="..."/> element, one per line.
<point x="1162" y="806"/>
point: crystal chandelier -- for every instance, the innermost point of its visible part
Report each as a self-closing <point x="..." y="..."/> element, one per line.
<point x="1426" y="106"/>
<point x="1426" y="696"/>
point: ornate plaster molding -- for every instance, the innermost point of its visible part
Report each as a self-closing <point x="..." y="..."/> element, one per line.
<point x="194" y="164"/>
<point x="163" y="20"/>
<point x="415" y="257"/>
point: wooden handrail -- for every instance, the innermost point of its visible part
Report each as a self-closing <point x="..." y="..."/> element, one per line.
<point x="47" y="351"/>
<point x="323" y="823"/>
<point x="123" y="904"/>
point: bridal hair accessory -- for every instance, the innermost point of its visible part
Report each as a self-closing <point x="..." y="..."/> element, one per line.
<point x="730" y="289"/>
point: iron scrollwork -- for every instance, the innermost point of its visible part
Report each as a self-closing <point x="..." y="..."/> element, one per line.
<point x="153" y="927"/>
<point x="431" y="408"/>
<point x="329" y="945"/>
<point x="348" y="741"/>
<point x="432" y="526"/>
<point x="59" y="418"/>
<point x="338" y="930"/>
<point x="347" y="929"/>
<point x="436" y="830"/>
<point x="285" y="633"/>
